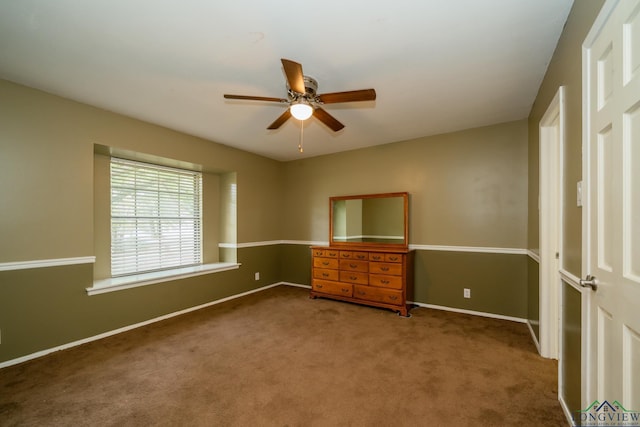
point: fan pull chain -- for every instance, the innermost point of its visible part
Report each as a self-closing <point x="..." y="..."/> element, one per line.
<point x="300" y="148"/>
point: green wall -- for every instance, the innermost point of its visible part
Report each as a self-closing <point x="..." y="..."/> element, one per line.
<point x="43" y="308"/>
<point x="295" y="264"/>
<point x="565" y="69"/>
<point x="497" y="281"/>
<point x="571" y="368"/>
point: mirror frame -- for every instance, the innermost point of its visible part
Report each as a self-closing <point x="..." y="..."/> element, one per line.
<point x="383" y="246"/>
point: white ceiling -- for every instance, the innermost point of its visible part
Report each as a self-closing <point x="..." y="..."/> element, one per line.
<point x="437" y="65"/>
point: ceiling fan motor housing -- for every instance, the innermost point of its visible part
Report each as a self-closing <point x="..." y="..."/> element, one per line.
<point x="310" y="85"/>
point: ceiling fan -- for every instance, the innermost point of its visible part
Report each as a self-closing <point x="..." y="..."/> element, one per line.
<point x="303" y="100"/>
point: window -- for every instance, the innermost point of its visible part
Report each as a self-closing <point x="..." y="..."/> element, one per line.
<point x="156" y="217"/>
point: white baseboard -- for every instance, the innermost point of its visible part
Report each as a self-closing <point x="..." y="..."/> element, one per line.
<point x="474" y="313"/>
<point x="134" y="326"/>
<point x="566" y="411"/>
<point x="297" y="285"/>
<point x="533" y="337"/>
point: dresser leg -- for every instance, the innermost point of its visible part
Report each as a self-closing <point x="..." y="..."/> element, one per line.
<point x="404" y="312"/>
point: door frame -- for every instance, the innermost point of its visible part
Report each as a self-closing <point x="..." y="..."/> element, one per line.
<point x="551" y="137"/>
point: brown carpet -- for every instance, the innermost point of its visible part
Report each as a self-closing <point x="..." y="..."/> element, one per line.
<point x="277" y="358"/>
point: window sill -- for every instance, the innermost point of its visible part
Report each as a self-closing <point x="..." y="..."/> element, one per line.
<point x="127" y="282"/>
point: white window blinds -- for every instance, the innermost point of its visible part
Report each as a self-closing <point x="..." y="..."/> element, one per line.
<point x="155" y="217"/>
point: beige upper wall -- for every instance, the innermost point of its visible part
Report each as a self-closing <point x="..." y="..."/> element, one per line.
<point x="466" y="188"/>
<point x="565" y="69"/>
<point x="46" y="173"/>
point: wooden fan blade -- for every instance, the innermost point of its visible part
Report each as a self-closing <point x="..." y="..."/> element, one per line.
<point x="295" y="78"/>
<point x="327" y="119"/>
<point x="280" y="120"/>
<point x="350" y="96"/>
<point x="255" y="98"/>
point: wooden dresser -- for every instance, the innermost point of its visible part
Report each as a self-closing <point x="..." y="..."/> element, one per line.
<point x="376" y="277"/>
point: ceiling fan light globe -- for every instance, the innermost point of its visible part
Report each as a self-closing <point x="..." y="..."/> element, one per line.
<point x="301" y="111"/>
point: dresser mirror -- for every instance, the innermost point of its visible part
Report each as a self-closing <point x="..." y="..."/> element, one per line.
<point x="376" y="220"/>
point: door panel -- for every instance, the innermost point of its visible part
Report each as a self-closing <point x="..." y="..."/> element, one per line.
<point x="631" y="367"/>
<point x="605" y="347"/>
<point x="631" y="222"/>
<point x="605" y="215"/>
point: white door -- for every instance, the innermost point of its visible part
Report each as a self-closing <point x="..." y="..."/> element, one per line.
<point x="551" y="148"/>
<point x="611" y="215"/>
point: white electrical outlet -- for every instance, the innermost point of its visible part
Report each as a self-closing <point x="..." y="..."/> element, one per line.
<point x="467" y="293"/>
<point x="257" y="275"/>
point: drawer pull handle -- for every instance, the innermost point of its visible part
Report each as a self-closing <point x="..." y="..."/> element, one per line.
<point x="376" y="257"/>
<point x="353" y="277"/>
<point x="319" y="286"/>
<point x="361" y="257"/>
<point x="384" y="282"/>
<point x="353" y="265"/>
<point x="393" y="258"/>
<point x="384" y="268"/>
<point x="332" y="254"/>
<point x="345" y="290"/>
<point x="325" y="262"/>
<point x="325" y="274"/>
<point x="393" y="297"/>
<point x="361" y="293"/>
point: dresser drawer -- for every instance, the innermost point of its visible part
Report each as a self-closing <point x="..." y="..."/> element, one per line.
<point x="354" y="265"/>
<point x="331" y="253"/>
<point x="370" y="293"/>
<point x="393" y="282"/>
<point x="363" y="256"/>
<point x="376" y="256"/>
<point x="326" y="253"/>
<point x="354" y="277"/>
<point x="325" y="263"/>
<point x="388" y="268"/>
<point x="392" y="257"/>
<point x="323" y="273"/>
<point x="333" y="288"/>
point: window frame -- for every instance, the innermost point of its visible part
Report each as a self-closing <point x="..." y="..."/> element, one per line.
<point x="217" y="203"/>
<point x="160" y="208"/>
